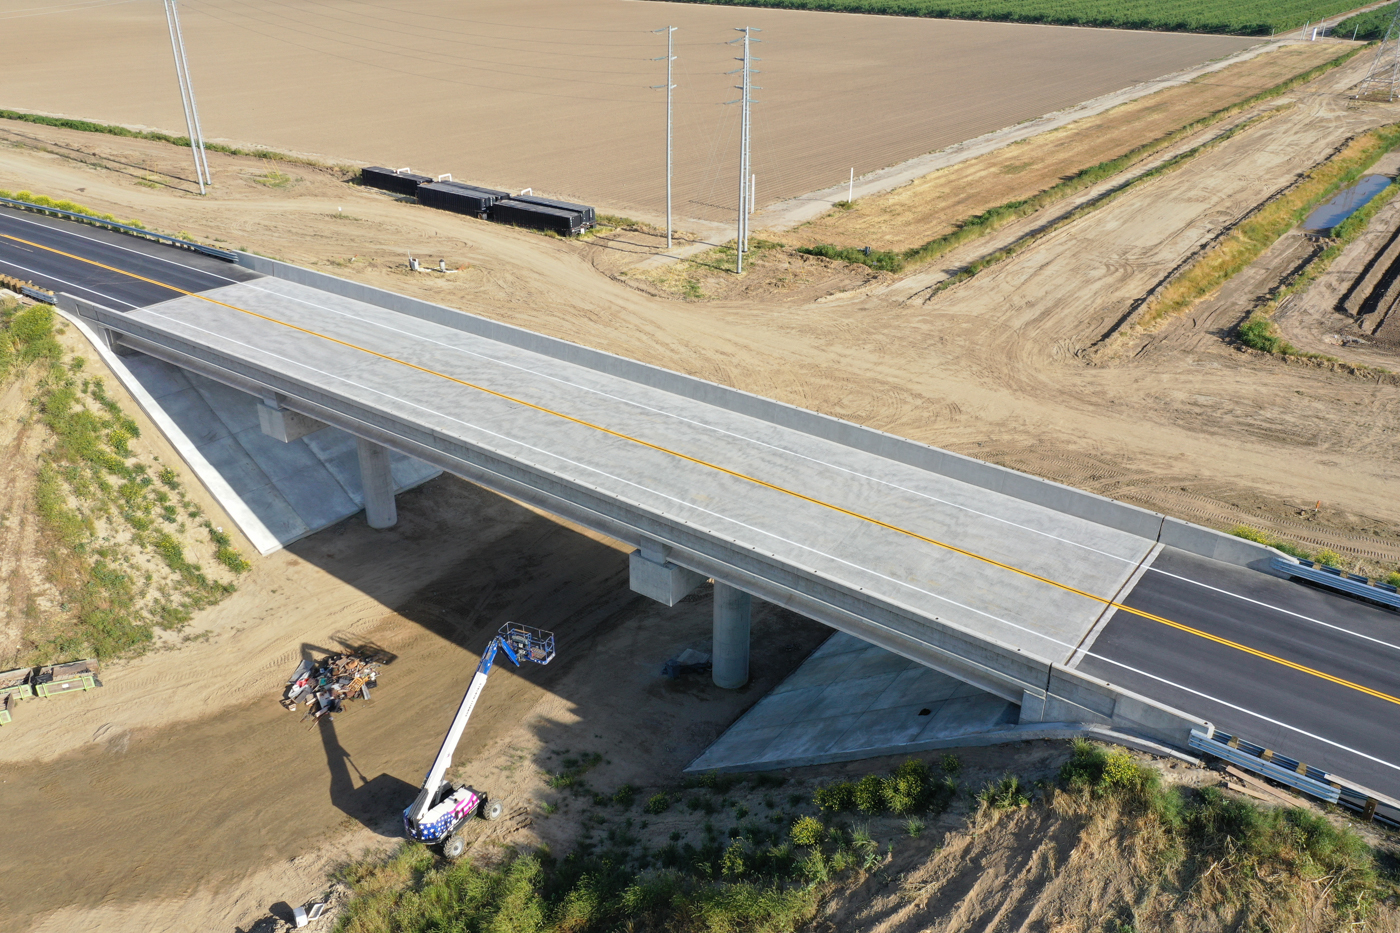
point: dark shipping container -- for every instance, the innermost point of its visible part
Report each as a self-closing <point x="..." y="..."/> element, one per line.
<point x="520" y="213"/>
<point x="376" y="176"/>
<point x="589" y="218"/>
<point x="460" y="198"/>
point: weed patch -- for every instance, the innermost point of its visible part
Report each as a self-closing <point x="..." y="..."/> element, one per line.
<point x="88" y="126"/>
<point x="97" y="505"/>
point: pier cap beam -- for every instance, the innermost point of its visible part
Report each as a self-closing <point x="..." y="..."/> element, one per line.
<point x="654" y="576"/>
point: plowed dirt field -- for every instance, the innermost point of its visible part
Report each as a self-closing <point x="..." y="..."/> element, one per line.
<point x="556" y="94"/>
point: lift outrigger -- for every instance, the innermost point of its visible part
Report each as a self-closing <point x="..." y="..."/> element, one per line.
<point x="441" y="808"/>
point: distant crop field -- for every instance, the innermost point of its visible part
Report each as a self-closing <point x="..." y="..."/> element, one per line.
<point x="1233" y="17"/>
<point x="1368" y="26"/>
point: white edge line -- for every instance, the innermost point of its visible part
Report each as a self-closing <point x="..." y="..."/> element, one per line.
<point x="251" y="526"/>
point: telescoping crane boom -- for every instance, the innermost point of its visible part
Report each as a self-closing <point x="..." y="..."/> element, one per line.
<point x="441" y="808"/>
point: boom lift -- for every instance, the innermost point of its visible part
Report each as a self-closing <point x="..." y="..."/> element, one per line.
<point x="441" y="809"/>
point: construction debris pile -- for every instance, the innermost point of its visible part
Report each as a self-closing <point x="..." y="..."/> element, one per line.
<point x="325" y="685"/>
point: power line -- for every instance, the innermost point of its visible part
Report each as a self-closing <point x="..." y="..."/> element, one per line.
<point x="1382" y="81"/>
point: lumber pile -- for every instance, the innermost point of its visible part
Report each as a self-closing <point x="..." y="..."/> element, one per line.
<point x="1241" y="781"/>
<point x="326" y="685"/>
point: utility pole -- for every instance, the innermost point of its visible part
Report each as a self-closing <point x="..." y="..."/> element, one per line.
<point x="1382" y="81"/>
<point x="182" y="72"/>
<point x="747" y="87"/>
<point x="670" y="46"/>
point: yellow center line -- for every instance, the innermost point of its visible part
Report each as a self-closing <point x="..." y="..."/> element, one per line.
<point x="747" y="478"/>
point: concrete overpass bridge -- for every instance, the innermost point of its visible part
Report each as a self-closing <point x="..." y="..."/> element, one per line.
<point x="1007" y="582"/>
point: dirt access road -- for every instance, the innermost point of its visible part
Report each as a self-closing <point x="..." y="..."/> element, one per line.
<point x="556" y="94"/>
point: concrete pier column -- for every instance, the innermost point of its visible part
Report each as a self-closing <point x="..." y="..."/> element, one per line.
<point x="378" y="483"/>
<point x="733" y="613"/>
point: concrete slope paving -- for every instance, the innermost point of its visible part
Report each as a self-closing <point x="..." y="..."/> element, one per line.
<point x="1329" y="725"/>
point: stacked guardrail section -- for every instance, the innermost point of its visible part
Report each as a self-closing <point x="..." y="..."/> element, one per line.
<point x="521" y="210"/>
<point x="1331" y="577"/>
<point x="1296" y="774"/>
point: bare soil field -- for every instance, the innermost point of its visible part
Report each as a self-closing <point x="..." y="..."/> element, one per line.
<point x="555" y="94"/>
<point x="931" y="206"/>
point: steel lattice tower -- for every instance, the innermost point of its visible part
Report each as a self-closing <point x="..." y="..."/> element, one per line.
<point x="1382" y="81"/>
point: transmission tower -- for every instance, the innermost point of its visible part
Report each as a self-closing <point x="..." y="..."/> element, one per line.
<point x="670" y="58"/>
<point x="745" y="179"/>
<point x="182" y="73"/>
<point x="1382" y="81"/>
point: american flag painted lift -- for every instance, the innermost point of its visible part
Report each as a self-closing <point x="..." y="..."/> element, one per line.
<point x="441" y="808"/>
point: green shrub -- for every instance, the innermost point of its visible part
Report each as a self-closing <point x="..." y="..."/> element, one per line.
<point x="906" y="789"/>
<point x="658" y="803"/>
<point x="733" y="863"/>
<point x="808" y="831"/>
<point x="869" y="794"/>
<point x="1393" y="578"/>
<point x="169" y="477"/>
<point x="1260" y="333"/>
<point x="1008" y="793"/>
<point x="834" y="798"/>
<point x="231" y="559"/>
<point x="877" y="259"/>
<point x="624" y="795"/>
<point x="1329" y="557"/>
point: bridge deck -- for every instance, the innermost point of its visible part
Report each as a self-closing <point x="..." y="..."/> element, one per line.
<point x="405" y="368"/>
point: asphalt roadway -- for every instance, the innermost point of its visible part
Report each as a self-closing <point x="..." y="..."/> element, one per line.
<point x="1304" y="716"/>
<point x="156" y="262"/>
<point x="1310" y="673"/>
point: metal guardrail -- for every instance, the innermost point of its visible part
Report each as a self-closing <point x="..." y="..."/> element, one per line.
<point x="1333" y="578"/>
<point x="1312" y="781"/>
<point x="1295" y="774"/>
<point x="122" y="228"/>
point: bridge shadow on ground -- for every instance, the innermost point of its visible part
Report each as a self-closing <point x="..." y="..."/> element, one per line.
<point x="461" y="563"/>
